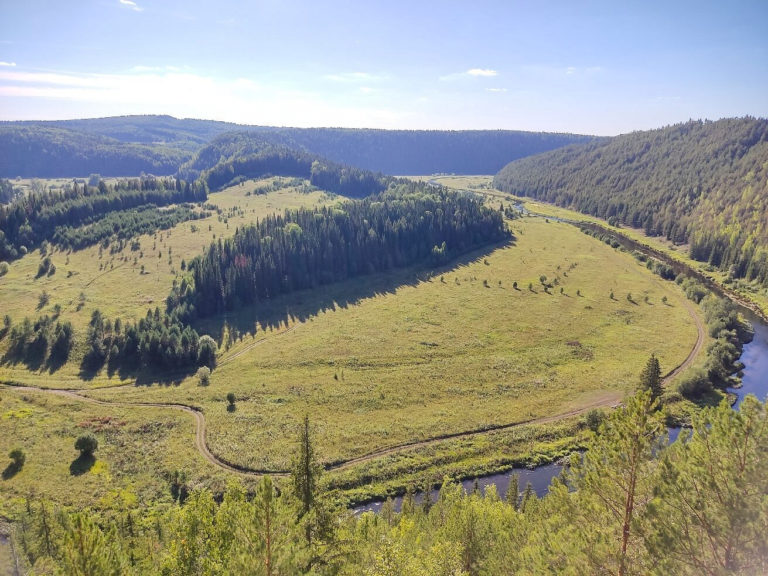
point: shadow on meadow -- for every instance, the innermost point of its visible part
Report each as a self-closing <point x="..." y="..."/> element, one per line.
<point x="279" y="313"/>
<point x="82" y="464"/>
<point x="11" y="470"/>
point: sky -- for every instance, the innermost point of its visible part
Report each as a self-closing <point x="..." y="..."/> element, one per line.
<point x="602" y="67"/>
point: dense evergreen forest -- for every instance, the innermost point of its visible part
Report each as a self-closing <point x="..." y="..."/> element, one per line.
<point x="702" y="183"/>
<point x="630" y="505"/>
<point x="80" y="215"/>
<point x="187" y="134"/>
<point x="30" y="150"/>
<point x="409" y="223"/>
<point x="422" y="151"/>
<point x="130" y="145"/>
<point x="243" y="156"/>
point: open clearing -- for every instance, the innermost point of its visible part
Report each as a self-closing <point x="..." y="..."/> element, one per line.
<point x="391" y="360"/>
<point x="115" y="283"/>
<point x="407" y="356"/>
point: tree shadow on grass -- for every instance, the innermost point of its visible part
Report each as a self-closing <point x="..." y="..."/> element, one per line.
<point x="280" y="312"/>
<point x="11" y="470"/>
<point x="82" y="464"/>
<point x="143" y="376"/>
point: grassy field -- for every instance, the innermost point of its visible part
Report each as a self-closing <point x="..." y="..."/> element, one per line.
<point x="138" y="449"/>
<point x="376" y="362"/>
<point x="750" y="291"/>
<point x="407" y="356"/>
<point x="114" y="283"/>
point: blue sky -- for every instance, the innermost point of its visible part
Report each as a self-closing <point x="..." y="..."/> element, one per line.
<point x="590" y="67"/>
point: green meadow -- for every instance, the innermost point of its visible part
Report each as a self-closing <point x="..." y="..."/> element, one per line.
<point x="506" y="335"/>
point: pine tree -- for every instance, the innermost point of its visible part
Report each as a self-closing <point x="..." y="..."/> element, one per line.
<point x="713" y="486"/>
<point x="650" y="377"/>
<point x="513" y="491"/>
<point x="306" y="470"/>
<point x="528" y="495"/>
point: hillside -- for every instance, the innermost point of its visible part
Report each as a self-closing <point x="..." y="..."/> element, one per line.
<point x="129" y="145"/>
<point x="31" y="150"/>
<point x="186" y="133"/>
<point x="426" y="151"/>
<point x="699" y="183"/>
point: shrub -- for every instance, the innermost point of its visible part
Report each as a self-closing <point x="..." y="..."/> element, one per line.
<point x="206" y="355"/>
<point x="204" y="375"/>
<point x="594" y="418"/>
<point x="695" y="385"/>
<point x="231" y="398"/>
<point x="18" y="457"/>
<point x="3" y="268"/>
<point x="87" y="444"/>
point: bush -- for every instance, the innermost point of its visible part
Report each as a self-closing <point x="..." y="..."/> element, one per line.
<point x="594" y="418"/>
<point x="695" y="385"/>
<point x="87" y="444"/>
<point x="206" y="355"/>
<point x="3" y="268"/>
<point x="18" y="457"/>
<point x="231" y="398"/>
<point x="204" y="375"/>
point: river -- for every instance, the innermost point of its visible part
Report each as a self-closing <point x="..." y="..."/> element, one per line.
<point x="754" y="381"/>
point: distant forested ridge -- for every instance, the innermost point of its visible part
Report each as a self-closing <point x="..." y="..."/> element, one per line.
<point x="130" y="145"/>
<point x="702" y="183"/>
<point x="59" y="215"/>
<point x="426" y="151"/>
<point x="408" y="223"/>
<point x="187" y="134"/>
<point x="392" y="151"/>
<point x="239" y="156"/>
<point x="29" y="150"/>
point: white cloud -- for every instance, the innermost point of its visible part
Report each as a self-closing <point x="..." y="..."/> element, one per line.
<point x="471" y="73"/>
<point x="496" y="89"/>
<point x="132" y="5"/>
<point x="190" y="95"/>
<point x="485" y="72"/>
<point x="8" y="64"/>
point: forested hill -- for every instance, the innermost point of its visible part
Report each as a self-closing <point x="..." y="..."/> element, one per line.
<point x="426" y="151"/>
<point x="188" y="134"/>
<point x="128" y="145"/>
<point x="703" y="183"/>
<point x="29" y="150"/>
<point x="237" y="156"/>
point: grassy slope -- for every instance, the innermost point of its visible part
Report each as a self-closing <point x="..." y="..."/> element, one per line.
<point x="119" y="288"/>
<point x="137" y="449"/>
<point x="399" y="357"/>
<point x="375" y="361"/>
<point x="750" y="291"/>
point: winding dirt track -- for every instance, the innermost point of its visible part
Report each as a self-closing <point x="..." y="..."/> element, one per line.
<point x="697" y="347"/>
<point x="608" y="399"/>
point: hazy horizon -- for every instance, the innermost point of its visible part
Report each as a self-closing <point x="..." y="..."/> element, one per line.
<point x="601" y="69"/>
<point x="285" y="126"/>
